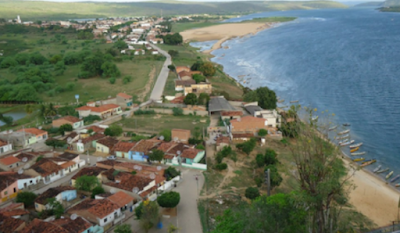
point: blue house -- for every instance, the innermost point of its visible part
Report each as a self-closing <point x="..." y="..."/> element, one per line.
<point x="192" y="155"/>
<point x="140" y="152"/>
<point x="61" y="194"/>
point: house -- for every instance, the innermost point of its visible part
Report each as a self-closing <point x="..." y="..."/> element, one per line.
<point x="182" y="68"/>
<point x="180" y="135"/>
<point x="247" y="125"/>
<point x="184" y="75"/>
<point x="5" y="146"/>
<point x="40" y="134"/>
<point x="122" y="149"/>
<point x="23" y="180"/>
<point x="87" y="143"/>
<point x="18" y="138"/>
<point x="10" y="224"/>
<point x="222" y="142"/>
<point x="124" y="100"/>
<point x="192" y="155"/>
<point x="103" y="111"/>
<point x="10" y="162"/>
<point x="88" y="171"/>
<point x="71" y="120"/>
<point x="8" y="186"/>
<point x="105" y="145"/>
<point x="271" y="116"/>
<point x="139" y="52"/>
<point x="230" y="115"/>
<point x="122" y="200"/>
<point x="157" y="41"/>
<point x="154" y="52"/>
<point x="173" y="152"/>
<point x="140" y="151"/>
<point x="78" y="225"/>
<point x="61" y="194"/>
<point x="197" y="88"/>
<point x="181" y="84"/>
<point x="96" y="129"/>
<point x="219" y="104"/>
<point x="102" y="212"/>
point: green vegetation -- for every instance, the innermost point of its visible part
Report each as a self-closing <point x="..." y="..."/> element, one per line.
<point x="86" y="183"/>
<point x="156" y="155"/>
<point x="171" y="173"/>
<point x="149" y="216"/>
<point x="124" y="228"/>
<point x="169" y="199"/>
<point x="56" y="208"/>
<point x="252" y="193"/>
<point x="28" y="198"/>
<point x="180" y="27"/>
<point x="113" y="131"/>
<point x="96" y="191"/>
<point x="266" y="98"/>
<point x="390" y="9"/>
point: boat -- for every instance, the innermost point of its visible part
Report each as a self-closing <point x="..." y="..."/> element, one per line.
<point x="395" y="178"/>
<point x="281" y="101"/>
<point x="397" y="185"/>
<point x="294" y="101"/>
<point x="358" y="159"/>
<point x="383" y="170"/>
<point x="354" y="150"/>
<point x="389" y="175"/>
<point x="377" y="169"/>
<point x="344" y="132"/>
<point x="332" y="128"/>
<point x="366" y="163"/>
<point x="343" y="137"/>
<point x="346" y="124"/>
<point x="315" y="118"/>
<point x="356" y="145"/>
<point x="358" y="153"/>
<point x="346" y="143"/>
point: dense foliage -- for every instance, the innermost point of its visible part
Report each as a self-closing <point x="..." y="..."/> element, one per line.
<point x="28" y="198"/>
<point x="266" y="98"/>
<point x="113" y="130"/>
<point x="207" y="68"/>
<point x="86" y="183"/>
<point x="252" y="193"/>
<point x="156" y="155"/>
<point x="248" y="146"/>
<point x="190" y="99"/>
<point x="169" y="199"/>
<point x="166" y="133"/>
<point x="171" y="173"/>
<point x="173" y="39"/>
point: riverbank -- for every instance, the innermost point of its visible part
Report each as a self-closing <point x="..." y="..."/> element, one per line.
<point x="223" y="33"/>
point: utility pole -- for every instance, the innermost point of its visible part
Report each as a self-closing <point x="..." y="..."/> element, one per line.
<point x="268" y="181"/>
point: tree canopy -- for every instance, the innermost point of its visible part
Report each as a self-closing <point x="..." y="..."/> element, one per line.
<point x="156" y="155"/>
<point x="113" y="130"/>
<point x="173" y="39"/>
<point x="266" y="98"/>
<point x="190" y="99"/>
<point x="28" y="198"/>
<point x="252" y="193"/>
<point x="169" y="199"/>
<point x="86" y="183"/>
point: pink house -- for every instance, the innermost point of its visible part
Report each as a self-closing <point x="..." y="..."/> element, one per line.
<point x="8" y="186"/>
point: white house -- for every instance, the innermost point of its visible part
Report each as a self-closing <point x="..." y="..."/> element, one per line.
<point x="123" y="52"/>
<point x="154" y="52"/>
<point x="25" y="181"/>
<point x="139" y="52"/>
<point x="273" y="119"/>
<point x="5" y="146"/>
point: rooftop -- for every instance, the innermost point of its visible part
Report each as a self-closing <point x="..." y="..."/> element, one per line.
<point x="223" y="139"/>
<point x="127" y="181"/>
<point x="9" y="224"/>
<point x="232" y="113"/>
<point x="6" y="179"/>
<point x="190" y="153"/>
<point x="46" y="167"/>
<point x="99" y="208"/>
<point x="144" y="146"/>
<point x="102" y="108"/>
<point x="70" y="119"/>
<point x="219" y="103"/>
<point x="3" y="143"/>
<point x="165" y="146"/>
<point x="96" y="129"/>
<point x="92" y="138"/>
<point x="124" y="146"/>
<point x="41" y="226"/>
<point x="50" y="193"/>
<point x="74" y="226"/>
<point x="185" y="82"/>
<point x="68" y="155"/>
<point x="9" y="160"/>
<point x="89" y="171"/>
<point x="121" y="199"/>
<point x="109" y="142"/>
<point x="252" y="109"/>
<point x="33" y="131"/>
<point x="125" y="96"/>
<point x="184" y="73"/>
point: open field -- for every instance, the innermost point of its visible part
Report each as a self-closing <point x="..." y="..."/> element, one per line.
<point x="170" y="84"/>
<point x="35" y="10"/>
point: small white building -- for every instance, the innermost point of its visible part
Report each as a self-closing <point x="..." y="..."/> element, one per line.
<point x="154" y="52"/>
<point x="5" y="146"/>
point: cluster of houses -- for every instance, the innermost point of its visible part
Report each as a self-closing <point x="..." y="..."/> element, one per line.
<point x="187" y="84"/>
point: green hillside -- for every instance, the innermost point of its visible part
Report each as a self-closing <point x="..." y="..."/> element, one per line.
<point x="34" y="10"/>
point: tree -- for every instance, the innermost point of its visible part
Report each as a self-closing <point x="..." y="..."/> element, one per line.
<point x="86" y="183"/>
<point x="173" y="53"/>
<point x="270" y="157"/>
<point x="112" y="80"/>
<point x="199" y="78"/>
<point x="203" y="99"/>
<point x="260" y="160"/>
<point x="138" y="210"/>
<point x="166" y="133"/>
<point x="156" y="155"/>
<point x="208" y="69"/>
<point x="170" y="173"/>
<point x="149" y="216"/>
<point x="92" y="64"/>
<point x="197" y="65"/>
<point x="110" y="69"/>
<point x="56" y="58"/>
<point x="55" y="207"/>
<point x="248" y="146"/>
<point x="190" y="99"/>
<point x="96" y="191"/>
<point x="276" y="178"/>
<point x="266" y="98"/>
<point x="8" y="62"/>
<point x="252" y="193"/>
<point x="65" y="127"/>
<point x="55" y="143"/>
<point x="173" y="39"/>
<point x="8" y="120"/>
<point x="113" y="130"/>
<point x="169" y="199"/>
<point x="177" y="111"/>
<point x="120" y="44"/>
<point x="124" y="228"/>
<point x="262" y="132"/>
<point x="171" y="67"/>
<point x="28" y="198"/>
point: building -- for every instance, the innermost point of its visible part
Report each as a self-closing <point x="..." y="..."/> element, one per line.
<point x="123" y="200"/>
<point x="8" y="186"/>
<point x="103" y="111"/>
<point x="185" y="75"/>
<point x="198" y="88"/>
<point x="219" y="104"/>
<point x="87" y="143"/>
<point x="5" y="146"/>
<point x="62" y="225"/>
<point x="272" y="116"/>
<point x="230" y="115"/>
<point x="192" y="155"/>
<point x="40" y="134"/>
<point x="105" y="145"/>
<point x="71" y="120"/>
<point x="180" y="85"/>
<point x="23" y="180"/>
<point x="61" y="194"/>
<point x="180" y="135"/>
<point x="122" y="149"/>
<point x="10" y="162"/>
<point x="10" y="224"/>
<point x="179" y="69"/>
<point x="222" y="142"/>
<point x="141" y="150"/>
<point x="247" y="125"/>
<point x="124" y="100"/>
<point x="19" y="138"/>
<point x="88" y="171"/>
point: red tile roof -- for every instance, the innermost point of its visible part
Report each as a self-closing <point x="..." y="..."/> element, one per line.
<point x="178" y="100"/>
<point x="9" y="224"/>
<point x="9" y="160"/>
<point x="190" y="153"/>
<point x="184" y="73"/>
<point x="145" y="146"/>
<point x="121" y="199"/>
<point x="67" y="164"/>
<point x="165" y="146"/>
<point x="222" y="140"/>
<point x="33" y="131"/>
<point x="88" y="171"/>
<point x="103" y="208"/>
<point x="96" y="129"/>
<point x="125" y="96"/>
<point x="124" y="146"/>
<point x="93" y="138"/>
<point x="52" y="192"/>
<point x="71" y="119"/>
<point x="102" y="108"/>
<point x="109" y="142"/>
<point x="17" y="212"/>
<point x="46" y="167"/>
<point x="3" y="143"/>
<point x="232" y="113"/>
<point x="73" y="226"/>
<point x="41" y="226"/>
<point x="128" y="181"/>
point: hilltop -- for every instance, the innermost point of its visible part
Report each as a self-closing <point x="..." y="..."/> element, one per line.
<point x="39" y="10"/>
<point x="391" y="6"/>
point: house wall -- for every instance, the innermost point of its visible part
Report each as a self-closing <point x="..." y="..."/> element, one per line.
<point x="109" y="218"/>
<point x="42" y="136"/>
<point x="85" y="113"/>
<point x="124" y="102"/>
<point x="24" y="183"/>
<point x="200" y="88"/>
<point x="5" y="148"/>
<point x="122" y="154"/>
<point x="39" y="207"/>
<point x="102" y="148"/>
<point x="137" y="156"/>
<point x="67" y="195"/>
<point x="31" y="140"/>
<point x="199" y="156"/>
<point x="9" y="192"/>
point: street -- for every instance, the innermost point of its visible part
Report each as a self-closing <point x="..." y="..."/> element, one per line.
<point x="162" y="77"/>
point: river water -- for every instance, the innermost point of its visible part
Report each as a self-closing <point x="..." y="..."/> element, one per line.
<point x="15" y="114"/>
<point x="346" y="61"/>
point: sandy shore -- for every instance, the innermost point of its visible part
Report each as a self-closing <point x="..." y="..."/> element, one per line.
<point x="223" y="32"/>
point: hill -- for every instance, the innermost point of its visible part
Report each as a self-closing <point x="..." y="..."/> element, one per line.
<point x="391" y="6"/>
<point x="370" y="4"/>
<point x="39" y="10"/>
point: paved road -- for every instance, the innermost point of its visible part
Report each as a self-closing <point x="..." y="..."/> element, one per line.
<point x="162" y="77"/>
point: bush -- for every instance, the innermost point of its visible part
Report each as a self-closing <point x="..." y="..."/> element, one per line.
<point x="169" y="199"/>
<point x="200" y="147"/>
<point x="190" y="99"/>
<point x="177" y="111"/>
<point x="144" y="112"/>
<point x="96" y="191"/>
<point x="248" y="146"/>
<point x="221" y="166"/>
<point x="28" y="198"/>
<point x="112" y="80"/>
<point x="270" y="157"/>
<point x="127" y="79"/>
<point x="258" y="181"/>
<point x="91" y="118"/>
<point x="113" y="130"/>
<point x="260" y="160"/>
<point x="171" y="173"/>
<point x="262" y="132"/>
<point x="219" y="157"/>
<point x="252" y="193"/>
<point x="171" y="67"/>
<point x="166" y="133"/>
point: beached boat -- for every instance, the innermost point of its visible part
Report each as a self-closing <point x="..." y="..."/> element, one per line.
<point x="354" y="150"/>
<point x="358" y="159"/>
<point x="389" y="175"/>
<point x="395" y="178"/>
<point x="383" y="170"/>
<point x="343" y="137"/>
<point x="366" y="163"/>
<point x="344" y="132"/>
<point x="346" y="124"/>
<point x="332" y="128"/>
<point x="356" y="145"/>
<point x="377" y="169"/>
<point x="358" y="153"/>
<point x="294" y="101"/>
<point x="346" y="143"/>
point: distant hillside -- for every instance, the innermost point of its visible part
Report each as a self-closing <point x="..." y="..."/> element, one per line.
<point x="30" y="10"/>
<point x="391" y="6"/>
<point x="374" y="4"/>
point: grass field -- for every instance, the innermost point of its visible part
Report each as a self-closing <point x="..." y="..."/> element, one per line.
<point x="170" y="84"/>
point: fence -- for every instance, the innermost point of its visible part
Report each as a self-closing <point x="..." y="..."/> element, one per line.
<point x="393" y="228"/>
<point x="168" y="105"/>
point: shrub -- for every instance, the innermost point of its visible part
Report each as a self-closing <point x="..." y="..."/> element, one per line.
<point x="96" y="191"/>
<point x="219" y="157"/>
<point x="171" y="173"/>
<point x="127" y="79"/>
<point x="28" y="198"/>
<point x="177" y="111"/>
<point x="112" y="80"/>
<point x="260" y="160"/>
<point x="252" y="193"/>
<point x="258" y="181"/>
<point x="200" y="147"/>
<point x="221" y="166"/>
<point x="144" y="112"/>
<point x="270" y="157"/>
<point x="262" y="132"/>
<point x="169" y="199"/>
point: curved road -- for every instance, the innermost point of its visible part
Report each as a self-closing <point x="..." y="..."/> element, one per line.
<point x="162" y="77"/>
